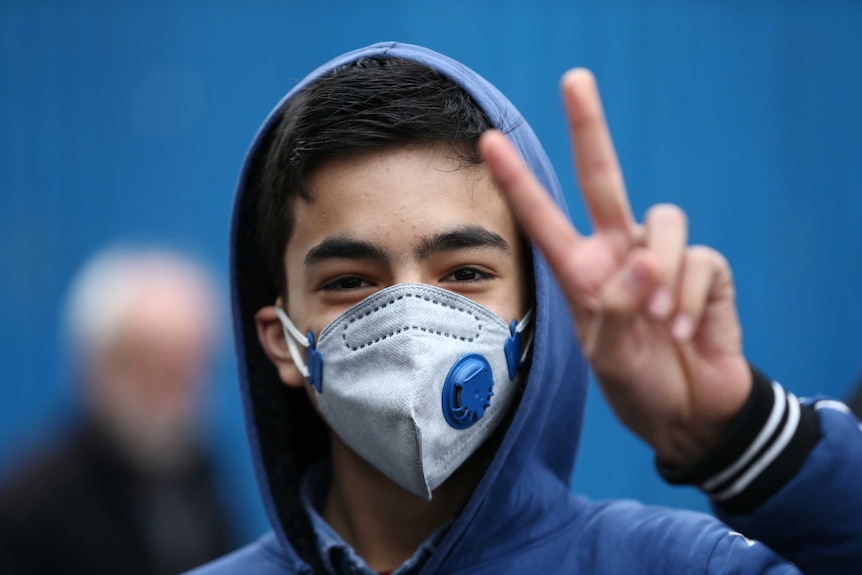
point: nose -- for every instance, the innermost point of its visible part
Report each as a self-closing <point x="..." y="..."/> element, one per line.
<point x="411" y="273"/>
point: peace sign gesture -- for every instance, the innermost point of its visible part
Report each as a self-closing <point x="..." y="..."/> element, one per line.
<point x="656" y="318"/>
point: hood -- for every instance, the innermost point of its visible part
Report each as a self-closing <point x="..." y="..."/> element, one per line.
<point x="529" y="474"/>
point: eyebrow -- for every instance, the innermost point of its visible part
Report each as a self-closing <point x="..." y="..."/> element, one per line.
<point x="347" y="248"/>
<point x="465" y="237"/>
<point x="344" y="248"/>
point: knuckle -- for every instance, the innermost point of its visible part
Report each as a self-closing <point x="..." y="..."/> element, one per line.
<point x="619" y="300"/>
<point x="624" y="296"/>
<point x="706" y="255"/>
<point x="615" y="304"/>
<point x="667" y="214"/>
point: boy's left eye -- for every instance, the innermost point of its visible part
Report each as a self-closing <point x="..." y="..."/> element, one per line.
<point x="467" y="275"/>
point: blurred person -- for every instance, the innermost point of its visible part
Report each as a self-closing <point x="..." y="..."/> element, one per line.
<point x="129" y="488"/>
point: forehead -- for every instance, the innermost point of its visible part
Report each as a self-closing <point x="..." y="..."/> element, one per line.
<point x="397" y="197"/>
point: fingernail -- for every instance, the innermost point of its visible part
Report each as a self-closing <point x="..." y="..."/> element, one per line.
<point x="660" y="303"/>
<point x="682" y="327"/>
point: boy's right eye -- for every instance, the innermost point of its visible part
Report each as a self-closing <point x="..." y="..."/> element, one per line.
<point x="345" y="283"/>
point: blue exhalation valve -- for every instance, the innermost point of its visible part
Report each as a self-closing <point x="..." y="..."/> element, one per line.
<point x="467" y="391"/>
<point x="314" y="363"/>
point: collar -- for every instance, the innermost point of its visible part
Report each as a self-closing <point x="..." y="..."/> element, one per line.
<point x="337" y="556"/>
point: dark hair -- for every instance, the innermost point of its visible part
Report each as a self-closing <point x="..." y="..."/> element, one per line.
<point x="369" y="105"/>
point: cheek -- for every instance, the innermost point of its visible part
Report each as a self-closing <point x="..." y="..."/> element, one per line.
<point x="308" y="314"/>
<point x="509" y="301"/>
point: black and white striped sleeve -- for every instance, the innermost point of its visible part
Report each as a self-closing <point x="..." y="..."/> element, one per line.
<point x="765" y="446"/>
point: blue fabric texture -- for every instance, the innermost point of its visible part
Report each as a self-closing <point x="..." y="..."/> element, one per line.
<point x="522" y="517"/>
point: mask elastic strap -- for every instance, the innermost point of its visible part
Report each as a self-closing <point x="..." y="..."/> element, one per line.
<point x="293" y="336"/>
<point x="522" y="325"/>
<point x="515" y="350"/>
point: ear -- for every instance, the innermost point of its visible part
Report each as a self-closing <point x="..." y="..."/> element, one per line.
<point x="270" y="333"/>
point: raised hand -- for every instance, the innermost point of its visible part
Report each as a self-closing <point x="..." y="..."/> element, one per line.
<point x="656" y="318"/>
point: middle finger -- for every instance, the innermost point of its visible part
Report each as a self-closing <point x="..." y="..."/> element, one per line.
<point x="598" y="169"/>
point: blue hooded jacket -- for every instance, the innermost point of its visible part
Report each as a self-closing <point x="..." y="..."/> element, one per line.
<point x="522" y="517"/>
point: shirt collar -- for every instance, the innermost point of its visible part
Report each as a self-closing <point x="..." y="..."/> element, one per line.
<point x="337" y="556"/>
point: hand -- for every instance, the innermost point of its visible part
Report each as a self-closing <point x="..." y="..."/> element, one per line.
<point x="656" y="319"/>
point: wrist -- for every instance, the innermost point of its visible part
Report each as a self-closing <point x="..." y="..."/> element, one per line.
<point x="685" y="447"/>
<point x="692" y="438"/>
<point x="762" y="448"/>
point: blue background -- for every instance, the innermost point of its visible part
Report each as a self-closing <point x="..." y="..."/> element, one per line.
<point x="129" y="121"/>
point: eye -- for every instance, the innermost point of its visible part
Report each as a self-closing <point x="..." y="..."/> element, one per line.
<point x="345" y="283"/>
<point x="468" y="275"/>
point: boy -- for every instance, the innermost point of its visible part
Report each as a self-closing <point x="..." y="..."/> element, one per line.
<point x="431" y="422"/>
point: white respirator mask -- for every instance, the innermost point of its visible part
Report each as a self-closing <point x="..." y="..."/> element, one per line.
<point x="414" y="378"/>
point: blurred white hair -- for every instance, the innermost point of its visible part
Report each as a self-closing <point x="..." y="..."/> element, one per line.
<point x="108" y="284"/>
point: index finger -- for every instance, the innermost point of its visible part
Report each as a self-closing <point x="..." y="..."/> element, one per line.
<point x="541" y="219"/>
<point x="598" y="169"/>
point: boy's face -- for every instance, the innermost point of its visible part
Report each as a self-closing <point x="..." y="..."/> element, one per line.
<point x="402" y="215"/>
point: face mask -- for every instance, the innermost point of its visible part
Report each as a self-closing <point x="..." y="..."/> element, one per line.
<point x="413" y="378"/>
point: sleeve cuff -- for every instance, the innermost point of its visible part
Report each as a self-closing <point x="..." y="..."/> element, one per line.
<point x="765" y="446"/>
